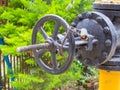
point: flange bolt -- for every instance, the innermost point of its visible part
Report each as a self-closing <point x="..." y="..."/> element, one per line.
<point x="106" y="30"/>
<point x="99" y="19"/>
<point x="73" y="24"/>
<point x="80" y="16"/>
<point x="105" y="54"/>
<point x="89" y="15"/>
<point x="86" y="62"/>
<point x="108" y="43"/>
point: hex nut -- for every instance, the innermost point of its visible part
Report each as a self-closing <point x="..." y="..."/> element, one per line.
<point x="106" y="30"/>
<point x="73" y="24"/>
<point x="108" y="42"/>
<point x="99" y="19"/>
<point x="80" y="16"/>
<point x="89" y="15"/>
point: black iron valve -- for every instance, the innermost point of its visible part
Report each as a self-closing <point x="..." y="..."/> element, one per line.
<point x="91" y="37"/>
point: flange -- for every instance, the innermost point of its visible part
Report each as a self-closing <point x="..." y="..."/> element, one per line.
<point x="100" y="26"/>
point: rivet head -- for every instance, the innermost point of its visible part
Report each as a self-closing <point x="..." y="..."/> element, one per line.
<point x="105" y="54"/>
<point x="80" y="16"/>
<point x="73" y="24"/>
<point x="89" y="15"/>
<point x="106" y="30"/>
<point x="108" y="42"/>
<point x="99" y="19"/>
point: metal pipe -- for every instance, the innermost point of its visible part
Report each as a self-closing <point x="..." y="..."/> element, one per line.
<point x="110" y="80"/>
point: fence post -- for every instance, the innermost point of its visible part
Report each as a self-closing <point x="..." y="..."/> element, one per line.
<point x="1" y="43"/>
<point x="6" y="58"/>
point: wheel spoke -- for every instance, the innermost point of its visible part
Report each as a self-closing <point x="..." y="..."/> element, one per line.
<point x="64" y="50"/>
<point x="54" y="61"/>
<point x="55" y="32"/>
<point x="63" y="47"/>
<point x="41" y="51"/>
<point x="43" y="32"/>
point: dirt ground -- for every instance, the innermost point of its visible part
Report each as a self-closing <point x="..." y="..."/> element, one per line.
<point x="90" y="85"/>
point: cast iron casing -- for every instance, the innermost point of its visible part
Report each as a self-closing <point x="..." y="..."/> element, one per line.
<point x="113" y="12"/>
<point x="104" y="24"/>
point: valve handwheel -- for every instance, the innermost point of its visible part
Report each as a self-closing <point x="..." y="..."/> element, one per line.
<point x="54" y="45"/>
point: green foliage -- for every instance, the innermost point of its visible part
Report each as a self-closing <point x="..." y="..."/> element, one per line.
<point x="86" y="5"/>
<point x="64" y="79"/>
<point x="47" y="81"/>
<point x="26" y="81"/>
<point x="21" y="15"/>
<point x="89" y="76"/>
<point x="16" y="4"/>
<point x="18" y="20"/>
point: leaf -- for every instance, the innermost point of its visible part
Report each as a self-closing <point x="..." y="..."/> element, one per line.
<point x="30" y="61"/>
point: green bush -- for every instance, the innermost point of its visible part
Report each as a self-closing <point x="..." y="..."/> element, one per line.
<point x="18" y="20"/>
<point x="21" y="15"/>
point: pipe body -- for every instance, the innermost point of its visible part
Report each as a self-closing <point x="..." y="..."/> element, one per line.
<point x="108" y="1"/>
<point x="109" y="77"/>
<point x="109" y="80"/>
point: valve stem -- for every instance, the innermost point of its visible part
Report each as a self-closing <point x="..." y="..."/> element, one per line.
<point x="33" y="47"/>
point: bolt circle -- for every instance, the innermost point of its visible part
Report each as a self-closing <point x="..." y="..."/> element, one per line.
<point x="107" y="36"/>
